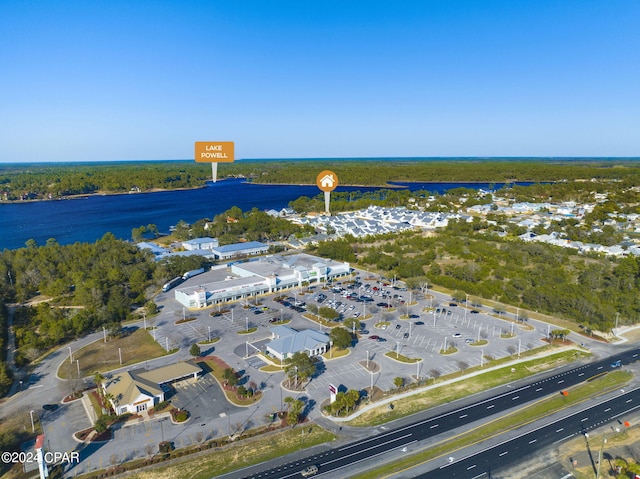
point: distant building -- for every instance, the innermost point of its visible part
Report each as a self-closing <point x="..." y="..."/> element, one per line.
<point x="200" y="243"/>
<point x="158" y="251"/>
<point x="250" y="248"/>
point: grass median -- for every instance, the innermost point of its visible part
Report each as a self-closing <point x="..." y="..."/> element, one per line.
<point x="465" y="387"/>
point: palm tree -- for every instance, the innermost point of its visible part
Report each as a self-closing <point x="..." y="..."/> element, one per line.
<point x="98" y="378"/>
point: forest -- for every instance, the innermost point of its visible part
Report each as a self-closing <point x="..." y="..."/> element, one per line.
<point x="19" y="182"/>
<point x="471" y="258"/>
<point x="72" y="290"/>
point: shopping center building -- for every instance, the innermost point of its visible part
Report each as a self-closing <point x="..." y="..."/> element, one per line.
<point x="269" y="274"/>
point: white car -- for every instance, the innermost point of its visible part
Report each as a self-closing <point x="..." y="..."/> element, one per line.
<point x="309" y="471"/>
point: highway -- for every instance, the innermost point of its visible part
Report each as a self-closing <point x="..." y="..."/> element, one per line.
<point x="506" y="454"/>
<point x="331" y="461"/>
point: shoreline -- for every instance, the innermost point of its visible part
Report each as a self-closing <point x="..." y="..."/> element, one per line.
<point x="246" y="181"/>
<point x="160" y="190"/>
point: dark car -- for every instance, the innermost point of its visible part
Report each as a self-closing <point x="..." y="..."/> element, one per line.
<point x="405" y="335"/>
<point x="50" y="407"/>
<point x="474" y="311"/>
<point x="397" y="326"/>
<point x="381" y="340"/>
<point x="453" y="304"/>
<point x="419" y="323"/>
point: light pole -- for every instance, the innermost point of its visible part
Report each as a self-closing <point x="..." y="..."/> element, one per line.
<point x="367" y="359"/>
<point x="70" y="355"/>
<point x="519" y="343"/>
<point x="604" y="441"/>
<point x="120" y="355"/>
<point x="78" y="365"/>
<point x="397" y="349"/>
<point x="482" y="358"/>
<point x="445" y="344"/>
<point x="247" y="323"/>
<point x="209" y="333"/>
<point x="144" y="318"/>
<point x="104" y="334"/>
<point x="33" y="426"/>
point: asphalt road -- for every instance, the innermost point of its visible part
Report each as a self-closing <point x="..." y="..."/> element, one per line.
<point x="331" y="461"/>
<point x="504" y="455"/>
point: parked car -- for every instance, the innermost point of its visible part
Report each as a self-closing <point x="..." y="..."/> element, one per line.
<point x="419" y="323"/>
<point x="405" y="335"/>
<point x="397" y="326"/>
<point x="474" y="311"/>
<point x="49" y="407"/>
<point x="374" y="337"/>
<point x="457" y="335"/>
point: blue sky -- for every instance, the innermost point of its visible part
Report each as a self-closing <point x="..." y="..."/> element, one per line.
<point x="137" y="80"/>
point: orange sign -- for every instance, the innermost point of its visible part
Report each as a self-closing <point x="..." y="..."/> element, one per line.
<point x="214" y="151"/>
<point x="327" y="180"/>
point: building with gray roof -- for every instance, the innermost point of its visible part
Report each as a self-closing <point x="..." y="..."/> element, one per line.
<point x="288" y="341"/>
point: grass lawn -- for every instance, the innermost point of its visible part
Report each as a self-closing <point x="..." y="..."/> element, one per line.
<point x="335" y="353"/>
<point x="402" y="358"/>
<point x="138" y="347"/>
<point x="216" y="367"/>
<point x="242" y="454"/>
<point x="457" y="390"/>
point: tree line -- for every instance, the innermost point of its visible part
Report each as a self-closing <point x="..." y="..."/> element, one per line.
<point x="44" y="181"/>
<point x="588" y="289"/>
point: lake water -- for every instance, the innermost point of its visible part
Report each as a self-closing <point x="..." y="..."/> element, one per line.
<point x="88" y="219"/>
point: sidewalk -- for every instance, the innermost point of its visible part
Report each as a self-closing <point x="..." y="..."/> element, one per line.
<point x="413" y="392"/>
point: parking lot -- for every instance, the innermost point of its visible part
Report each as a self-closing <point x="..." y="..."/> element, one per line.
<point x="429" y="324"/>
